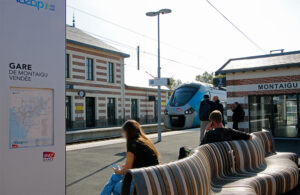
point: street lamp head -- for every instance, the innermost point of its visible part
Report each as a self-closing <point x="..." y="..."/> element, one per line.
<point x="152" y="13"/>
<point x="162" y="11"/>
<point x="165" y="11"/>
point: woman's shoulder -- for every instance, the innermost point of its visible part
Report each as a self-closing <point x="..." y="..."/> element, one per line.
<point x="132" y="142"/>
<point x="132" y="146"/>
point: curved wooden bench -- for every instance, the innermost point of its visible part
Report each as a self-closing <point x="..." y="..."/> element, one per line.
<point x="235" y="167"/>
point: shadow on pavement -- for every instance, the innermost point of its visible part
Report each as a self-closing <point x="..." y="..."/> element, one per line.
<point x="99" y="170"/>
<point x="121" y="154"/>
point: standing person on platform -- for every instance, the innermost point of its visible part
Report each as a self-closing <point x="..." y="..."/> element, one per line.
<point x="238" y="115"/>
<point x="206" y="107"/>
<point x="219" y="107"/>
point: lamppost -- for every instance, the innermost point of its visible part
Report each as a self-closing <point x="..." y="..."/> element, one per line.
<point x="157" y="13"/>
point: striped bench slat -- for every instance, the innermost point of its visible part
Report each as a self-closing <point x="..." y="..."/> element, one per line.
<point x="234" y="167"/>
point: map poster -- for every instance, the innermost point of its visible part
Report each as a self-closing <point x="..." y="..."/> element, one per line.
<point x="31" y="117"/>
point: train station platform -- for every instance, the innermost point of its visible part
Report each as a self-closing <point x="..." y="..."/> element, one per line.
<point x="88" y="164"/>
<point x="104" y="133"/>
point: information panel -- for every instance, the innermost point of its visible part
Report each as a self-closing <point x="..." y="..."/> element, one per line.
<point x="30" y="117"/>
<point x="32" y="97"/>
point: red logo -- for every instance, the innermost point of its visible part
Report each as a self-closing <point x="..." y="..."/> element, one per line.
<point x="48" y="156"/>
<point x="178" y="109"/>
<point x="14" y="145"/>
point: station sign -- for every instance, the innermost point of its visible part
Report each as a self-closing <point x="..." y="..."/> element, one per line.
<point x="32" y="106"/>
<point x="279" y="86"/>
<point x="159" y="82"/>
<point x="283" y="86"/>
<point x="219" y="82"/>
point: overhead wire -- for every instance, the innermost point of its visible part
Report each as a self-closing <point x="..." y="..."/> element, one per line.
<point x="237" y="28"/>
<point x="143" y="51"/>
<point x="134" y="32"/>
<point x="153" y="39"/>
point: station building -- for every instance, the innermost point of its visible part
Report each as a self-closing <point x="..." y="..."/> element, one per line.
<point x="97" y="94"/>
<point x="268" y="88"/>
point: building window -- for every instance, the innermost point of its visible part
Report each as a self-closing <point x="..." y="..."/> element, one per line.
<point x="155" y="103"/>
<point x="90" y="111"/>
<point x="68" y="112"/>
<point x="67" y="65"/>
<point x="111" y="111"/>
<point x="260" y="112"/>
<point x="89" y="69"/>
<point x="134" y="109"/>
<point x="277" y="113"/>
<point x="285" y="116"/>
<point x="111" y="75"/>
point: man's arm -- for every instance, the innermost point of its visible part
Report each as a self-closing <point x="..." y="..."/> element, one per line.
<point x="200" y="108"/>
<point x="238" y="135"/>
<point x="213" y="105"/>
<point x="221" y="109"/>
<point x="209" y="126"/>
<point x="201" y="103"/>
<point x="206" y="139"/>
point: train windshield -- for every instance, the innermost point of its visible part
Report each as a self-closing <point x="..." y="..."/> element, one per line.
<point x="182" y="95"/>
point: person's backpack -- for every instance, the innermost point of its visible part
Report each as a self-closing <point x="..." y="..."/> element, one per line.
<point x="205" y="111"/>
<point x="184" y="152"/>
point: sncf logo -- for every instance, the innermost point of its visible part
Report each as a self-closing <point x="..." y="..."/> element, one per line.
<point x="38" y="4"/>
<point x="48" y="156"/>
<point x="14" y="145"/>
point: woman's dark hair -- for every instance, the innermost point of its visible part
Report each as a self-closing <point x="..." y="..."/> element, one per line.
<point x="134" y="131"/>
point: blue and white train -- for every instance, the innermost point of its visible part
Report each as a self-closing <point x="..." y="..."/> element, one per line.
<point x="182" y="109"/>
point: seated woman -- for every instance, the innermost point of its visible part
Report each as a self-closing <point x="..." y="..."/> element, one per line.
<point x="141" y="152"/>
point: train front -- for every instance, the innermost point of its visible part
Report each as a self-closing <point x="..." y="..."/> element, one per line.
<point x="182" y="109"/>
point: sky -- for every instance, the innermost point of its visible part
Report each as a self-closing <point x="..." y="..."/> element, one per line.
<point x="194" y="37"/>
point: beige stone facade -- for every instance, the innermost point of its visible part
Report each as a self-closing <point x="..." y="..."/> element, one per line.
<point x="100" y="92"/>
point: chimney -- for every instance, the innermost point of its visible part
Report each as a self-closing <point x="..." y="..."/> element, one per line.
<point x="276" y="51"/>
<point x="73" y="19"/>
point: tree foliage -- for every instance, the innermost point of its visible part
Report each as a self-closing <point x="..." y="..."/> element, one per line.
<point x="174" y="83"/>
<point x="220" y="76"/>
<point x="206" y="77"/>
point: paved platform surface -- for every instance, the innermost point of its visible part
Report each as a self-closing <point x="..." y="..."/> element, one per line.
<point x="88" y="164"/>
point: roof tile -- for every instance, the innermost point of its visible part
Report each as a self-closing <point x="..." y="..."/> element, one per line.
<point x="79" y="36"/>
<point x="261" y="62"/>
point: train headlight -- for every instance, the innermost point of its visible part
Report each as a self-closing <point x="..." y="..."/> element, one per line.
<point x="166" y="112"/>
<point x="189" y="111"/>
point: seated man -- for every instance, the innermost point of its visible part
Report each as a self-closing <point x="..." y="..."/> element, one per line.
<point x="216" y="132"/>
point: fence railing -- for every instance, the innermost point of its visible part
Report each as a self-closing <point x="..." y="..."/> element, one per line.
<point x="82" y="124"/>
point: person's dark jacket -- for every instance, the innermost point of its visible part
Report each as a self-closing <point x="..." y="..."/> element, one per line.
<point x="219" y="106"/>
<point x="238" y="114"/>
<point x="224" y="134"/>
<point x="212" y="108"/>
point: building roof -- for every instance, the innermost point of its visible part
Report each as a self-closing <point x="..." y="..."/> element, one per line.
<point x="262" y="62"/>
<point x="77" y="36"/>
